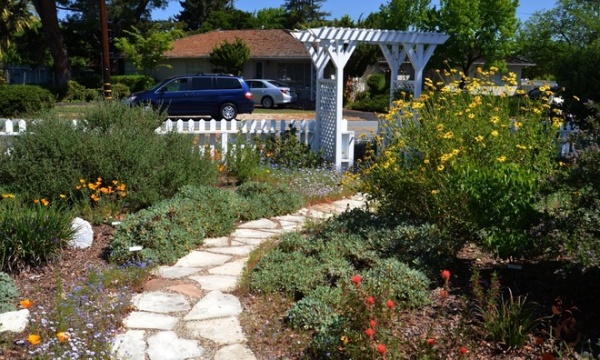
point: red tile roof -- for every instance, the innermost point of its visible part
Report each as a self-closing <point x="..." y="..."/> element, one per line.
<point x="262" y="43"/>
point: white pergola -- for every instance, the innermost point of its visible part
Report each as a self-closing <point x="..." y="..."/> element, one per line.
<point x="336" y="45"/>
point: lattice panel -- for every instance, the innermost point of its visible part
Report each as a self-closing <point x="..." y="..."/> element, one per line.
<point x="327" y="119"/>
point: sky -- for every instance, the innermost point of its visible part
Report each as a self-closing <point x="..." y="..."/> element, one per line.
<point x="354" y="8"/>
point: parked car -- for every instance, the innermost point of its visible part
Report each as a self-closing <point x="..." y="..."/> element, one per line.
<point x="221" y="96"/>
<point x="553" y="93"/>
<point x="269" y="93"/>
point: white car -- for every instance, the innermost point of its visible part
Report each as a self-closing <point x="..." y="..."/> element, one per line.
<point x="269" y="93"/>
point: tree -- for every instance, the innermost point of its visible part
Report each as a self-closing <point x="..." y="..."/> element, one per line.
<point x="301" y="12"/>
<point x="15" y="16"/>
<point x="478" y="29"/>
<point x="195" y="12"/>
<point x="146" y="50"/>
<point x="230" y="56"/>
<point x="46" y="9"/>
<point x="231" y="19"/>
<point x="403" y="14"/>
<point x="270" y="18"/>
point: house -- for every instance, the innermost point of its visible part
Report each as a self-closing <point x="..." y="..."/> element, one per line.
<point x="274" y="54"/>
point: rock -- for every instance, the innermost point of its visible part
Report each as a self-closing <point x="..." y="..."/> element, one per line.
<point x="83" y="236"/>
<point x="14" y="321"/>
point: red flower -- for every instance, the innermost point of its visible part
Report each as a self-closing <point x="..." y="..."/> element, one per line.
<point x="356" y="279"/>
<point x="430" y="342"/>
<point x="463" y="350"/>
<point x="446" y="275"/>
<point x="381" y="348"/>
<point x="373" y="323"/>
<point x="390" y="304"/>
<point x="370" y="300"/>
<point x="443" y="293"/>
<point x="370" y="332"/>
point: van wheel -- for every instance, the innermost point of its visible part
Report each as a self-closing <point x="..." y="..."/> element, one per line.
<point x="228" y="111"/>
<point x="267" y="102"/>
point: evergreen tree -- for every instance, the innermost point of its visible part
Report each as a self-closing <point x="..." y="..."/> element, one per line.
<point x="195" y="12"/>
<point x="301" y="12"/>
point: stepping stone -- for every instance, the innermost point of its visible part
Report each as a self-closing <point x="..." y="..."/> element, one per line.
<point x="215" y="305"/>
<point x="159" y="284"/>
<point x="130" y="345"/>
<point x="240" y="234"/>
<point x="222" y="330"/>
<point x="202" y="259"/>
<point x="176" y="272"/>
<point x="291" y="218"/>
<point x="259" y="224"/>
<point x="187" y="289"/>
<point x="160" y="302"/>
<point x="234" y="268"/>
<point x="216" y="242"/>
<point x="146" y="320"/>
<point x="165" y="345"/>
<point x="252" y="242"/>
<point x="222" y="283"/>
<point x="290" y="226"/>
<point x="14" y="321"/>
<point x="232" y="250"/>
<point x="235" y="351"/>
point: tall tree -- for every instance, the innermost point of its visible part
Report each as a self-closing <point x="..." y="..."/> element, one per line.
<point x="302" y="12"/>
<point x="478" y="29"/>
<point x="270" y="18"/>
<point x="46" y="9"/>
<point x="195" y="12"/>
<point x="403" y="14"/>
<point x="230" y="57"/>
<point x="15" y="16"/>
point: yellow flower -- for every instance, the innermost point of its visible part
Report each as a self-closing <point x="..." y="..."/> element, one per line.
<point x="115" y="182"/>
<point x="33" y="339"/>
<point x="448" y="135"/>
<point x="95" y="197"/>
<point x="63" y="336"/>
<point x="344" y="340"/>
<point x="440" y="127"/>
<point x="426" y="161"/>
<point x="62" y="196"/>
<point x="495" y="120"/>
<point x="501" y="158"/>
<point x="92" y="186"/>
<point x="445" y="157"/>
<point x="471" y="116"/>
<point x="45" y="202"/>
<point x="576" y="98"/>
<point x="440" y="167"/>
<point x="26" y="304"/>
<point x="82" y="181"/>
<point x="479" y="138"/>
<point x="455" y="152"/>
<point x="435" y="192"/>
<point x="36" y="201"/>
<point x="8" y="196"/>
<point x="521" y="147"/>
<point x="494" y="133"/>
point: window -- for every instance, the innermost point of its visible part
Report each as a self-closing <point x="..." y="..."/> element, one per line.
<point x="202" y="83"/>
<point x="180" y="84"/>
<point x="256" y="84"/>
<point x="228" y="83"/>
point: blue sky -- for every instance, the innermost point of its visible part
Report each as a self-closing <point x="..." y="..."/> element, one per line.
<point x="354" y="8"/>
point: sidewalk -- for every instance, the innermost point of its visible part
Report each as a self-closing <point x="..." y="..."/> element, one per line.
<point x="188" y="312"/>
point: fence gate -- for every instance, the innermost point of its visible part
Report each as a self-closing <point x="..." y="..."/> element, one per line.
<point x="336" y="45"/>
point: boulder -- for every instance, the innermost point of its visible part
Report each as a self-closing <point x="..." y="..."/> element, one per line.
<point x="83" y="236"/>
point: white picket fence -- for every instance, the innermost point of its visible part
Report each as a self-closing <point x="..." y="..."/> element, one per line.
<point x="213" y="134"/>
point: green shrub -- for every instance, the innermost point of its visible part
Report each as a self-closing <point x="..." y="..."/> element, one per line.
<point x="242" y="159"/>
<point x="119" y="91"/>
<point x="261" y="200"/>
<point x="377" y="103"/>
<point x="32" y="235"/>
<point x="115" y="142"/>
<point x="8" y="293"/>
<point x="376" y="84"/>
<point x="134" y="82"/>
<point x="288" y="152"/>
<point x="468" y="167"/>
<point x="166" y="232"/>
<point x="18" y="100"/>
<point x="77" y="92"/>
<point x="89" y="81"/>
<point x="218" y="208"/>
<point x="309" y="313"/>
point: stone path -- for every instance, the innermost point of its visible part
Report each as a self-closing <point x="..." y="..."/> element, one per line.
<point x="188" y="311"/>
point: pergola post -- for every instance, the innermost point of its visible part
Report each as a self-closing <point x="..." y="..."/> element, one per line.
<point x="394" y="58"/>
<point x="419" y="56"/>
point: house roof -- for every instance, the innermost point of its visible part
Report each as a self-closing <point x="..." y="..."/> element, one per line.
<point x="510" y="60"/>
<point x="267" y="44"/>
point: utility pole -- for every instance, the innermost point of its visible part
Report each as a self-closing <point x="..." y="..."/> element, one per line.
<point x="105" y="55"/>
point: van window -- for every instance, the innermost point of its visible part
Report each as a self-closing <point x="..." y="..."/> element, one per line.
<point x="202" y="83"/>
<point x="180" y="84"/>
<point x="228" y="83"/>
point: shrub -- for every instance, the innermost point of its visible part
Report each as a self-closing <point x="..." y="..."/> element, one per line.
<point x="376" y="84"/>
<point x="218" y="208"/>
<point x="309" y="313"/>
<point x="134" y="82"/>
<point x="115" y="142"/>
<point x="18" y="100"/>
<point x="468" y="167"/>
<point x="166" y="232"/>
<point x="32" y="235"/>
<point x="8" y="293"/>
<point x="242" y="159"/>
<point x="77" y="92"/>
<point x="287" y="151"/>
<point x="376" y="103"/>
<point x="119" y="91"/>
<point x="261" y="200"/>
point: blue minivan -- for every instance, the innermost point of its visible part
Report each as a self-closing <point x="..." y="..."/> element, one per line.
<point x="221" y="96"/>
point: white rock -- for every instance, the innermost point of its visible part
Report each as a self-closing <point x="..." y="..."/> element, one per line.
<point x="160" y="302"/>
<point x="14" y="321"/>
<point x="165" y="345"/>
<point x="146" y="320"/>
<point x="130" y="346"/>
<point x="83" y="236"/>
<point x="214" y="305"/>
<point x="222" y="330"/>
<point x="235" y="351"/>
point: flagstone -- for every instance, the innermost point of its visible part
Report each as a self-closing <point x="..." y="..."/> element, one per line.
<point x="221" y="330"/>
<point x="223" y="283"/>
<point x="146" y="320"/>
<point x="234" y="351"/>
<point x="202" y="259"/>
<point x="215" y="305"/>
<point x="160" y="302"/>
<point x="130" y="345"/>
<point x="234" y="268"/>
<point x="165" y="345"/>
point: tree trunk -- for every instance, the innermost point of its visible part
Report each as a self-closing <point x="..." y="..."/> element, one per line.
<point x="46" y="9"/>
